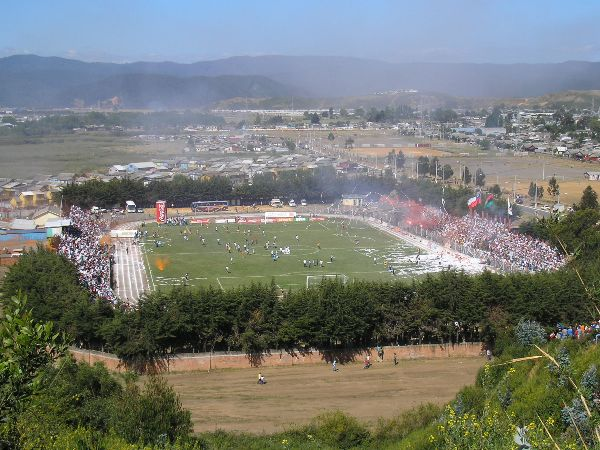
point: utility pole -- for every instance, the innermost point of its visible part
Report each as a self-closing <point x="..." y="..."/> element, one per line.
<point x="514" y="187"/>
<point x="544" y="170"/>
<point x="535" y="196"/>
<point x="436" y="171"/>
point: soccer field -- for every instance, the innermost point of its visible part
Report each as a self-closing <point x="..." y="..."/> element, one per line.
<point x="349" y="248"/>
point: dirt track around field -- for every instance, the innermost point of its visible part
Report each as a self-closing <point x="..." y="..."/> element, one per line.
<point x="232" y="400"/>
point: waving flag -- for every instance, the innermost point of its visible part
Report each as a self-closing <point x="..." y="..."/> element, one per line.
<point x="474" y="201"/>
<point x="489" y="201"/>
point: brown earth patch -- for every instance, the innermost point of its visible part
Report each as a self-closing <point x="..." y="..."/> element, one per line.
<point x="230" y="399"/>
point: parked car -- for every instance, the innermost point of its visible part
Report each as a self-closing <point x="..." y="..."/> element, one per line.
<point x="303" y="202"/>
<point x="292" y="203"/>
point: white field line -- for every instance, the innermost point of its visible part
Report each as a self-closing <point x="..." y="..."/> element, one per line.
<point x="131" y="276"/>
<point x="135" y="268"/>
<point x="150" y="271"/>
<point x="219" y="281"/>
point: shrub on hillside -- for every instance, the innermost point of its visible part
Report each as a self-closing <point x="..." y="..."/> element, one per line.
<point x="151" y="415"/>
<point x="589" y="381"/>
<point x="338" y="430"/>
<point x="402" y="425"/>
<point x="529" y="332"/>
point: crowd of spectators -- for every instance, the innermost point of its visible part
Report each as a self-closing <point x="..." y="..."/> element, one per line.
<point x="511" y="250"/>
<point x="80" y="243"/>
<point x="578" y="331"/>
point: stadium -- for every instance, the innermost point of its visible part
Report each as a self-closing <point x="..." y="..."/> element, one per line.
<point x="382" y="240"/>
<point x="292" y="250"/>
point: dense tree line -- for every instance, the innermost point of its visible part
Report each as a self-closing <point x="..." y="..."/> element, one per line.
<point x="259" y="317"/>
<point x="576" y="234"/>
<point x="150" y="121"/>
<point x="319" y="186"/>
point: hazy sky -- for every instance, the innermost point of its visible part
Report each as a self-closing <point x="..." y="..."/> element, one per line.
<point x="417" y="30"/>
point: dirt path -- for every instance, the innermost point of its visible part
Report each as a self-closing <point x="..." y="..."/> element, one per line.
<point x="231" y="399"/>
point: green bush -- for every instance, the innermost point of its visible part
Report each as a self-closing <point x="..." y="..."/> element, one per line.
<point x="153" y="414"/>
<point x="471" y="399"/>
<point x="399" y="427"/>
<point x="338" y="430"/>
<point x="530" y="332"/>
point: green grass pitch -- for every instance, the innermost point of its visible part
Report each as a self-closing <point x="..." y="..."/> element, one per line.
<point x="358" y="250"/>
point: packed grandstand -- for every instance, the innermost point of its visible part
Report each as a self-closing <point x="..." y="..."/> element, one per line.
<point x="80" y="243"/>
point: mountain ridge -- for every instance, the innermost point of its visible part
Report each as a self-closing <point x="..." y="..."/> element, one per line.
<point x="30" y="80"/>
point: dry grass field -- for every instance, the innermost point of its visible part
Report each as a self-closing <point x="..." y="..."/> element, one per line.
<point x="232" y="400"/>
<point x="23" y="158"/>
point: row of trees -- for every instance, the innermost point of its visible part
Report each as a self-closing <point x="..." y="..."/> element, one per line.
<point x="321" y="185"/>
<point x="66" y="123"/>
<point x="256" y="318"/>
<point x="434" y="168"/>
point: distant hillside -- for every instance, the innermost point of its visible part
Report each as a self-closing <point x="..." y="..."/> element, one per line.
<point x="38" y="81"/>
<point x="54" y="82"/>
<point x="419" y="100"/>
<point x="568" y="99"/>
<point x="325" y="76"/>
<point x="168" y="92"/>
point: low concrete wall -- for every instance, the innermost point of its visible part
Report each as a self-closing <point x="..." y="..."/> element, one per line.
<point x="188" y="362"/>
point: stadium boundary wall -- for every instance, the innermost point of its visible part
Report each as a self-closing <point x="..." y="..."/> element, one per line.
<point x="189" y="362"/>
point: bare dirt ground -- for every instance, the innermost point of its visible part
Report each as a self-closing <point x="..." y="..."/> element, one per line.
<point x="519" y="172"/>
<point x="232" y="400"/>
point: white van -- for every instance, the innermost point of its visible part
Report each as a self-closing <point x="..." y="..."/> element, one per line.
<point x="130" y="206"/>
<point x="276" y="203"/>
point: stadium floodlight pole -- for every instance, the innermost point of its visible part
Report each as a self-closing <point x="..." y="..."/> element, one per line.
<point x="535" y="196"/>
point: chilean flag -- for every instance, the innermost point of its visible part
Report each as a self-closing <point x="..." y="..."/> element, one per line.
<point x="474" y="201"/>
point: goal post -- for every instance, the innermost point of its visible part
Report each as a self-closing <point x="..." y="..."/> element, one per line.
<point x="315" y="280"/>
